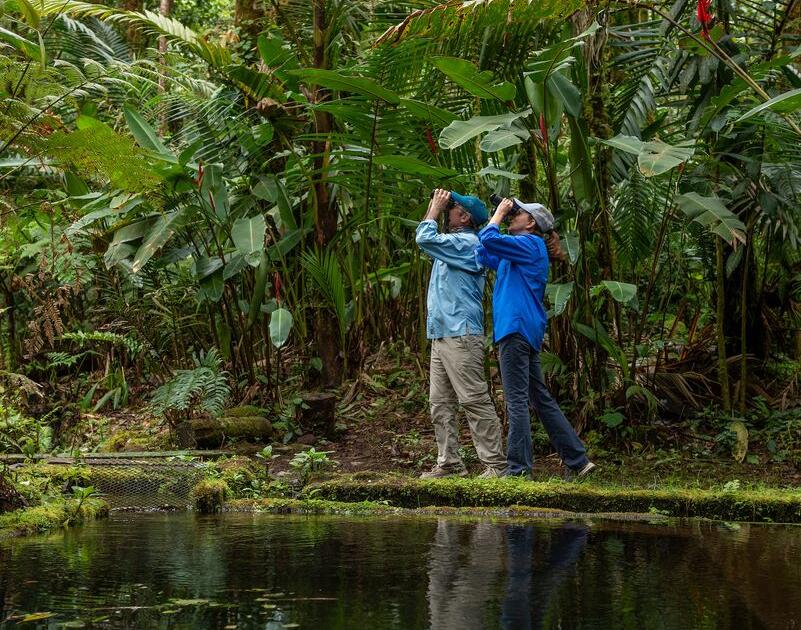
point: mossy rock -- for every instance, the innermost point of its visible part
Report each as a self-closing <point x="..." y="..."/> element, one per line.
<point x="132" y="441"/>
<point x="214" y="432"/>
<point x="209" y="496"/>
<point x="245" y="411"/>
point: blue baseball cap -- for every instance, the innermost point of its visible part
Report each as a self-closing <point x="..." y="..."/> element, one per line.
<point x="474" y="206"/>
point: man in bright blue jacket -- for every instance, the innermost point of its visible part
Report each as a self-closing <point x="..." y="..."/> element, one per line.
<point x="519" y="319"/>
<point x="455" y="326"/>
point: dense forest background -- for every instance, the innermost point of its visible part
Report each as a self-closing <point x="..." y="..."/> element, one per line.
<point x="213" y="203"/>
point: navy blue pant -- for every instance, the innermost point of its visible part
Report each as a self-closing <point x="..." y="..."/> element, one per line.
<point x="524" y="387"/>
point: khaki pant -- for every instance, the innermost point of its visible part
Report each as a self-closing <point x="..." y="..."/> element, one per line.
<point x="457" y="378"/>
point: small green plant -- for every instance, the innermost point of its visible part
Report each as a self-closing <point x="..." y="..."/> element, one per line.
<point x="731" y="486"/>
<point x="81" y="494"/>
<point x="309" y="463"/>
<point x="202" y="389"/>
<point x="612" y="418"/>
<point x="266" y="455"/>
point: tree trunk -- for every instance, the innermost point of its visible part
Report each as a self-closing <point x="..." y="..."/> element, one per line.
<point x="248" y="15"/>
<point x="325" y="212"/>
<point x="723" y="368"/>
<point x="133" y="33"/>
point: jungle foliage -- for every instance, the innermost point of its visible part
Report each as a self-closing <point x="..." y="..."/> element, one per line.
<point x="228" y="207"/>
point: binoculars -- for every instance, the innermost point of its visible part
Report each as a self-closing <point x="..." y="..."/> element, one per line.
<point x="495" y="200"/>
<point x="451" y="202"/>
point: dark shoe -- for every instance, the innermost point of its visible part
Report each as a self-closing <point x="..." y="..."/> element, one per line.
<point x="438" y="472"/>
<point x="581" y="473"/>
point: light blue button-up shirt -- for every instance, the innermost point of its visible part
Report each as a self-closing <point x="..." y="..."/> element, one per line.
<point x="456" y="288"/>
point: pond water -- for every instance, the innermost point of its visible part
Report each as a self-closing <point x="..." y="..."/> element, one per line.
<point x="262" y="571"/>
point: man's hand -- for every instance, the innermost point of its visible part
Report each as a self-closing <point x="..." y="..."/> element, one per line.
<point x="554" y="246"/>
<point x="438" y="203"/>
<point x="501" y="211"/>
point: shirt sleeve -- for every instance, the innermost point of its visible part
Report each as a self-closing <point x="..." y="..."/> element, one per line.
<point x="451" y="249"/>
<point x="518" y="249"/>
<point x="486" y="259"/>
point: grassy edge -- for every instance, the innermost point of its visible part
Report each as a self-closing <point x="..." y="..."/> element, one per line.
<point x="370" y="508"/>
<point x="761" y="504"/>
<point x="49" y="516"/>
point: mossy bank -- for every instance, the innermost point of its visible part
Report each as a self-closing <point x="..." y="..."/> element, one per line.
<point x="725" y="503"/>
<point x="54" y="514"/>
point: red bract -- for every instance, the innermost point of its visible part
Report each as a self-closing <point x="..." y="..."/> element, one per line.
<point x="543" y="129"/>
<point x="431" y="143"/>
<point x="704" y="16"/>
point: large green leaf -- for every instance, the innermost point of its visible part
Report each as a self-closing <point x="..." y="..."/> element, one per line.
<point x="280" y="326"/>
<point x="33" y="51"/>
<point x="414" y="166"/>
<point x="623" y="292"/>
<point x="248" y="234"/>
<point x="558" y="295"/>
<point x="713" y="215"/>
<point x="346" y="83"/>
<point x="480" y="84"/>
<point x="271" y="189"/>
<point x="460" y="131"/>
<point x="572" y="246"/>
<point x="783" y="103"/>
<point x="569" y="95"/>
<point x="497" y="172"/>
<point x="31" y="15"/>
<point x="499" y="139"/>
<point x="653" y="158"/>
<point x="159" y="234"/>
<point x="428" y="112"/>
<point x="145" y="135"/>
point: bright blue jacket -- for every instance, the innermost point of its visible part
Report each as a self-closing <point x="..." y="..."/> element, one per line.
<point x="517" y="301"/>
<point x="457" y="280"/>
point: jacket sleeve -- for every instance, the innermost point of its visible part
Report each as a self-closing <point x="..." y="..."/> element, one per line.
<point x="449" y="248"/>
<point x="486" y="259"/>
<point x="518" y="249"/>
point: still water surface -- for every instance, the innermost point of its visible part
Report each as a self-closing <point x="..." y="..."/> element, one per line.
<point x="261" y="571"/>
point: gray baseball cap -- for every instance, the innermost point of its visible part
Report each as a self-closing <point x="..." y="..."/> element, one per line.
<point x="541" y="214"/>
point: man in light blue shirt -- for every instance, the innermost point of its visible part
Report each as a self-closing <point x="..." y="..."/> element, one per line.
<point x="455" y="325"/>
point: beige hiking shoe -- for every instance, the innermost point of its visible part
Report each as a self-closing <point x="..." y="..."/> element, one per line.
<point x="491" y="473"/>
<point x="438" y="472"/>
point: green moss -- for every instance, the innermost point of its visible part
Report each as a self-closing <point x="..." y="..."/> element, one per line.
<point x="209" y="496"/>
<point x="132" y="441"/>
<point x="246" y="411"/>
<point x="54" y="514"/>
<point x="742" y="505"/>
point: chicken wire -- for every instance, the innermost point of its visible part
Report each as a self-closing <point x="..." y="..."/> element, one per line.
<point x="139" y="484"/>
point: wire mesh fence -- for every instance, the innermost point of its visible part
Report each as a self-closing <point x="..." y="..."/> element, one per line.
<point x="143" y="484"/>
<point x="143" y="481"/>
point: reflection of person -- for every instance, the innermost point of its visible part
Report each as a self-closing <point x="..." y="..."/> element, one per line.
<point x="463" y="576"/>
<point x="529" y="591"/>
<point x="455" y="325"/>
<point x="519" y="320"/>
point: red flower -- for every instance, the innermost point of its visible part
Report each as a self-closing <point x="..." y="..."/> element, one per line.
<point x="704" y="16"/>
<point x="431" y="143"/>
<point x="543" y="129"/>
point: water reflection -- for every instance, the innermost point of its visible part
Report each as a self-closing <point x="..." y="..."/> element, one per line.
<point x="258" y="571"/>
<point x="468" y="565"/>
